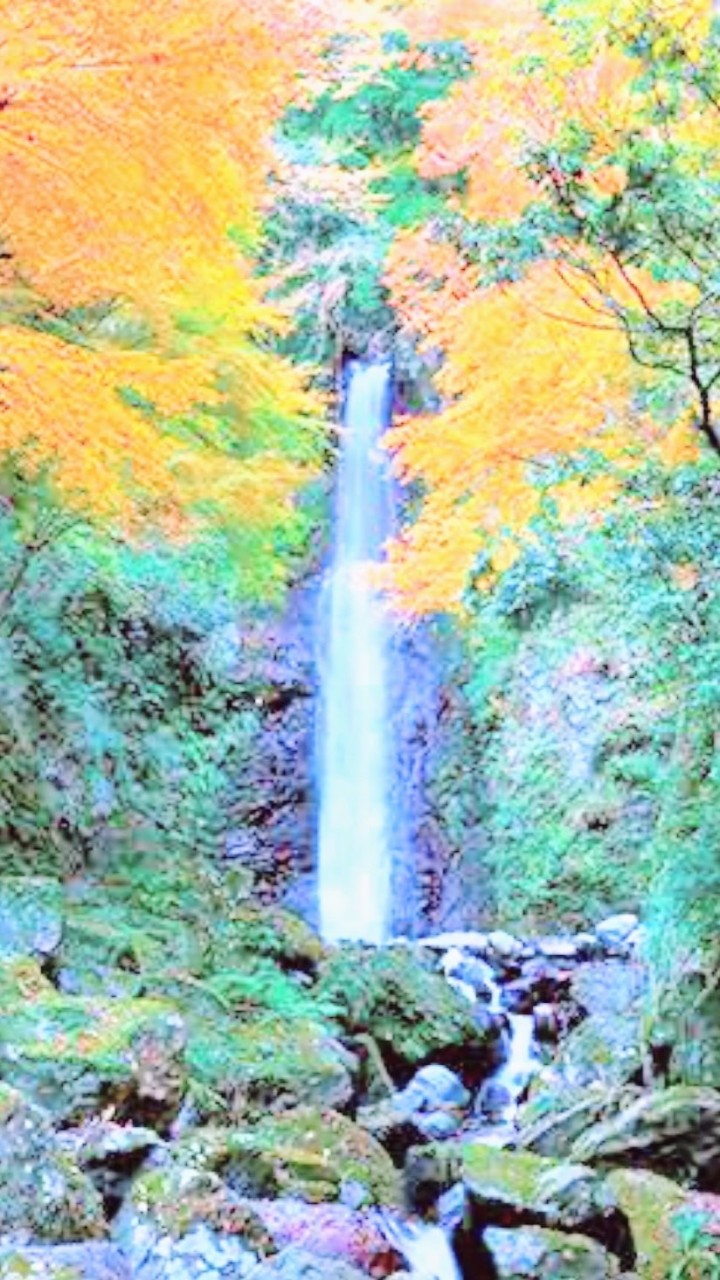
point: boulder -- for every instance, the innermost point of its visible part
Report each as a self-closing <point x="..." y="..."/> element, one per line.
<point x="267" y="1061"/>
<point x="606" y="1047"/>
<point x="651" y="1204"/>
<point x="564" y="949"/>
<point x="614" y="932"/>
<point x="31" y="916"/>
<point x="391" y="1126"/>
<point x="63" y="1262"/>
<point x="550" y="1124"/>
<point x="433" y="1087"/>
<point x="675" y="1132"/>
<point x="516" y="1189"/>
<point x="76" y="1056"/>
<point x="530" y="1253"/>
<point x="411" y="1011"/>
<point x="308" y="1153"/>
<point x="43" y="1192"/>
<point x="503" y="946"/>
<point x="465" y="940"/>
<point x="298" y="1264"/>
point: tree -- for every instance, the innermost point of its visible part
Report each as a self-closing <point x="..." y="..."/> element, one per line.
<point x="578" y="277"/>
<point x="133" y="156"/>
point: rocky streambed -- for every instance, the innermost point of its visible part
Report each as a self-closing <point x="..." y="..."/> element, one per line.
<point x="219" y="1095"/>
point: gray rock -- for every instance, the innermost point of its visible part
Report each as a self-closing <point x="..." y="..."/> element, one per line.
<point x="431" y="1087"/>
<point x="557" y="949"/>
<point x="530" y="1253"/>
<point x="299" y="1264"/>
<point x="436" y="1126"/>
<point x="588" y="946"/>
<point x="465" y="940"/>
<point x="504" y="945"/>
<point x="616" y="930"/>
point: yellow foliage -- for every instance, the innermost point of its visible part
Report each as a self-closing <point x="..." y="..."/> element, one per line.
<point x="133" y="156"/>
<point x="530" y="374"/>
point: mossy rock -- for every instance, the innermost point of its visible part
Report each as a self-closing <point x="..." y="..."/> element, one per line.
<point x="556" y="1117"/>
<point x="309" y="1153"/>
<point x="412" y="1013"/>
<point x="672" y="1132"/>
<point x="76" y="1055"/>
<point x="650" y="1203"/>
<point x="42" y="1190"/>
<point x="516" y="1183"/>
<point x="606" y="1047"/>
<point x="532" y="1253"/>
<point x="31" y="916"/>
<point x="272" y="932"/>
<point x="263" y="1062"/>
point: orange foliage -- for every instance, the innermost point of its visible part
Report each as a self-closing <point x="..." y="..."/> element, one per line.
<point x="133" y="139"/>
<point x="520" y="388"/>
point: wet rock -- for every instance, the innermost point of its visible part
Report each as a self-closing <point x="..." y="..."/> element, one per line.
<point x="588" y="946"/>
<point x="43" y="1192"/>
<point x="492" y="1101"/>
<point x="392" y="1127"/>
<point x="558" y="949"/>
<point x="432" y="1087"/>
<point x="546" y="1023"/>
<point x="411" y="1012"/>
<point x="675" y="1132"/>
<point x="530" y="1253"/>
<point x="503" y="946"/>
<point x="76" y="1056"/>
<point x="329" y="1231"/>
<point x="615" y="932"/>
<point x="63" y="1262"/>
<point x="298" y="1264"/>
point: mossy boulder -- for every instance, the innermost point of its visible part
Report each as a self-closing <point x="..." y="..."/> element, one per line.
<point x="31" y="916"/>
<point x="606" y="1047"/>
<point x="314" y="1154"/>
<point x="673" y="1132"/>
<point x="174" y="1199"/>
<point x="507" y="1184"/>
<point x="263" y="1062"/>
<point x="42" y="1190"/>
<point x="63" y="1262"/>
<point x="555" y="1118"/>
<point x="77" y="1055"/>
<point x="412" y="1013"/>
<point x="529" y="1253"/>
<point x="650" y="1204"/>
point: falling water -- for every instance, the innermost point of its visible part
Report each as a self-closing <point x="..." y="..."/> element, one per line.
<point x="355" y="754"/>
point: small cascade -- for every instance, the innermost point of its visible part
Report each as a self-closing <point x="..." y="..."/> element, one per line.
<point x="355" y="754"/>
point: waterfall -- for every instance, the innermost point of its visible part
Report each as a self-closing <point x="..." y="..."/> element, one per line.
<point x="355" y="747"/>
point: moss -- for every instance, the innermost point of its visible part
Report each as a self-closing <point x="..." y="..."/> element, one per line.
<point x="650" y="1203"/>
<point x="70" y="1053"/>
<point x="517" y="1175"/>
<point x="309" y="1152"/>
<point x="411" y="1011"/>
<point x="260" y="1061"/>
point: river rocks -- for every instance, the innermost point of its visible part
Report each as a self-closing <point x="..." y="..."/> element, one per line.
<point x="650" y="1204"/>
<point x="550" y="1125"/>
<point x="43" y="1192"/>
<point x="110" y="1154"/>
<point x="410" y="1011"/>
<point x="298" y="1264"/>
<point x="31" y="916"/>
<point x="672" y="1131"/>
<point x="616" y="932"/>
<point x="533" y="1254"/>
<point x="63" y="1262"/>
<point x="308" y="1153"/>
<point x="75" y="1056"/>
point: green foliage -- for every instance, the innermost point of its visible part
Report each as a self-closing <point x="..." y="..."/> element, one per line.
<point x="121" y="715"/>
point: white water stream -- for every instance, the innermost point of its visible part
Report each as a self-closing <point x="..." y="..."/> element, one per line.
<point x="355" y="753"/>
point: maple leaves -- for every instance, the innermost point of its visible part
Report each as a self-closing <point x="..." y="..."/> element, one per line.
<point x="133" y="155"/>
<point x="573" y="284"/>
